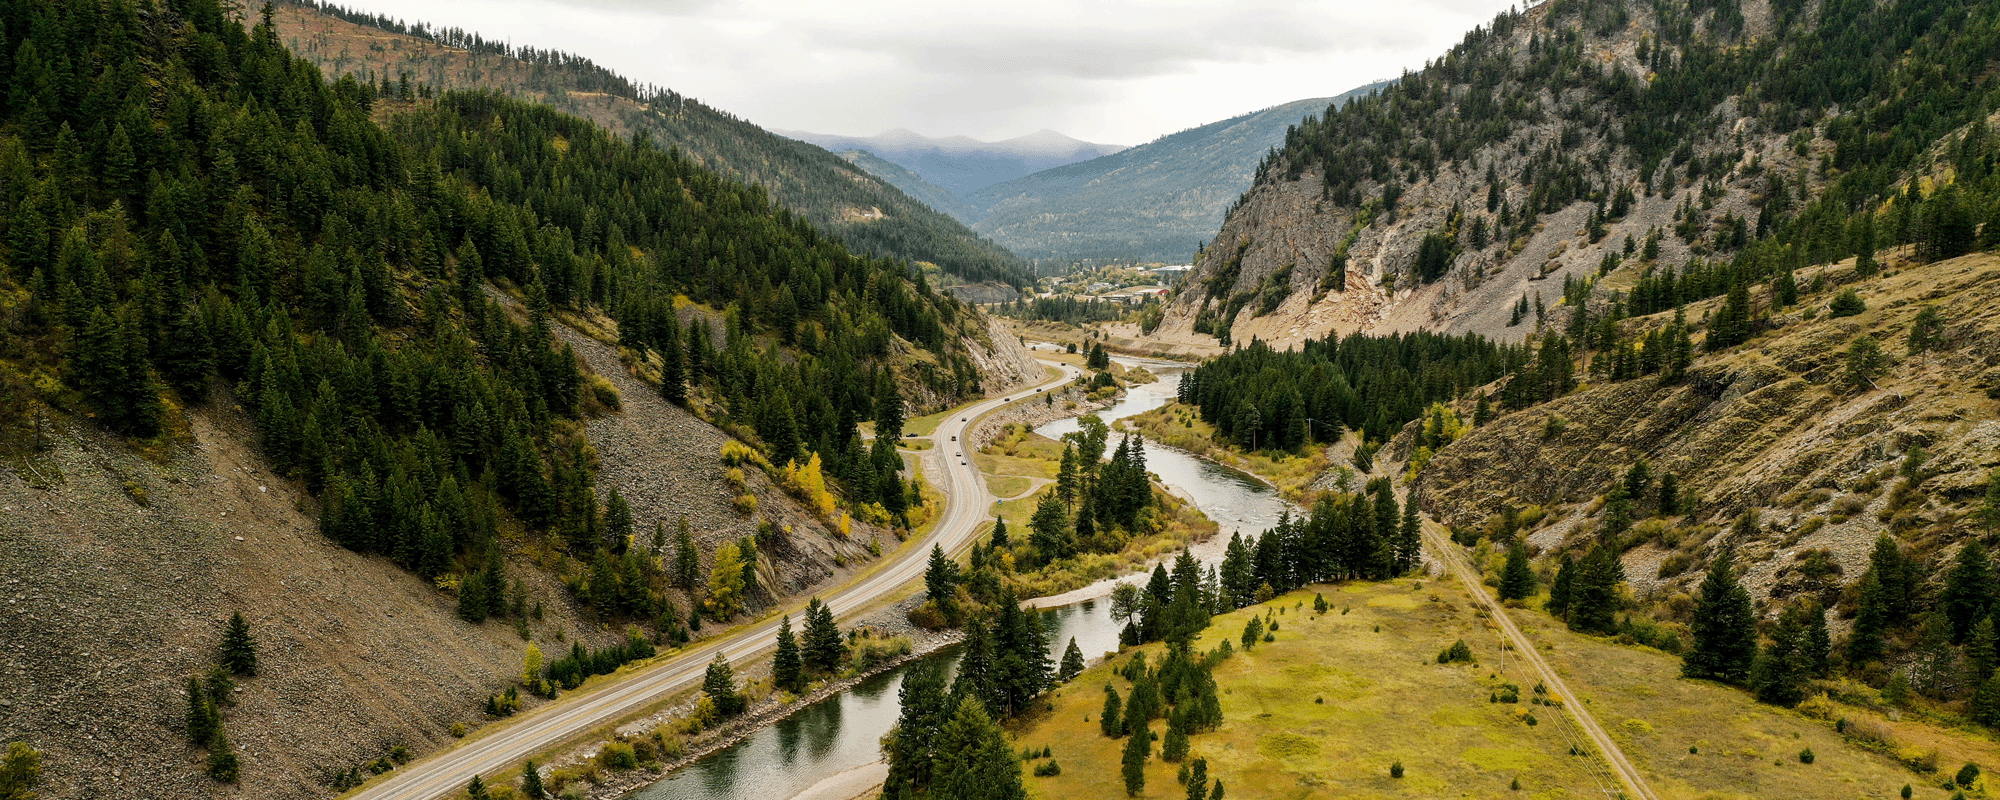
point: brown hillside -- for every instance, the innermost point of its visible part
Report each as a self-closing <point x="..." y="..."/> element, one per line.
<point x="1773" y="425"/>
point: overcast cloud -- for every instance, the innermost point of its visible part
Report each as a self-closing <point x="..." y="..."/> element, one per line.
<point x="1116" y="72"/>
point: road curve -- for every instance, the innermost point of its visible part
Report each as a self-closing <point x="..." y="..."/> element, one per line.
<point x="1454" y="561"/>
<point x="501" y="752"/>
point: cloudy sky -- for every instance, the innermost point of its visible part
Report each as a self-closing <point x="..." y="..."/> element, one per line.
<point x="1116" y="71"/>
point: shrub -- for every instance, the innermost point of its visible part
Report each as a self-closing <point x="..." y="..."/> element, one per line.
<point x="1396" y="770"/>
<point x="1457" y="652"/>
<point x="458" y="730"/>
<point x="1806" y="756"/>
<point x="618" y="755"/>
<point x="1967" y="774"/>
<point x="1048" y="769"/>
<point x="1846" y="304"/>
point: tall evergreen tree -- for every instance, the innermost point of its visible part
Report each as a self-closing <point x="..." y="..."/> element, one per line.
<point x="1561" y="588"/>
<point x="824" y="649"/>
<point x="239" y="648"/>
<point x="531" y="781"/>
<point x="687" y="559"/>
<point x="1072" y="662"/>
<point x="719" y="684"/>
<point x="1871" y="620"/>
<point x="1517" y="578"/>
<point x="204" y="722"/>
<point x="1724" y="627"/>
<point x="973" y="760"/>
<point x="911" y="746"/>
<point x="1133" y="763"/>
<point x="787" y="670"/>
<point x="1968" y="589"/>
<point x="1110" y="721"/>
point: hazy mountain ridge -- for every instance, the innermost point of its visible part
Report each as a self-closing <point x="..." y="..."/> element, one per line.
<point x="1153" y="202"/>
<point x="961" y="164"/>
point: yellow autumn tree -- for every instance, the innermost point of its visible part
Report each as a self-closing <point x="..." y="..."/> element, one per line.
<point x="725" y="583"/>
<point x="531" y="665"/>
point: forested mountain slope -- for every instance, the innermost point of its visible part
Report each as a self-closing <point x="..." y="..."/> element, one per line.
<point x="1155" y="202"/>
<point x="304" y="350"/>
<point x="1720" y="137"/>
<point x="869" y="215"/>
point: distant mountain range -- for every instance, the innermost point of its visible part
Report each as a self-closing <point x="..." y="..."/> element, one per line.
<point x="962" y="165"/>
<point x="1153" y="202"/>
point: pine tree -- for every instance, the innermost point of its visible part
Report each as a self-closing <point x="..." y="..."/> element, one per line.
<point x="719" y="684"/>
<point x="973" y="760"/>
<point x="1072" y="662"/>
<point x="1109" y="720"/>
<point x="476" y="790"/>
<point x="239" y="648"/>
<point x="787" y="671"/>
<point x="1517" y="578"/>
<point x="1982" y="652"/>
<point x="940" y="576"/>
<point x="999" y="541"/>
<point x="1986" y="702"/>
<point x="1968" y="590"/>
<point x="203" y="721"/>
<point x="1409" y="537"/>
<point x="687" y="559"/>
<point x="1561" y="588"/>
<point x="1780" y="671"/>
<point x="618" y="521"/>
<point x="823" y="647"/>
<point x="1871" y="619"/>
<point x="1137" y="750"/>
<point x="1724" y="628"/>
<point x="223" y="765"/>
<point x="1593" y="600"/>
<point x="531" y="782"/>
<point x="909" y="747"/>
<point x="1197" y="782"/>
<point x="1174" y="746"/>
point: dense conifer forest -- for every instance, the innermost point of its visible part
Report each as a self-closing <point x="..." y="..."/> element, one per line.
<point x="800" y="177"/>
<point x="188" y="211"/>
<point x="1264" y="398"/>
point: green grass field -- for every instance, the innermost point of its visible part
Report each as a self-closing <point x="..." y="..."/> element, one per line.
<point x="1325" y="709"/>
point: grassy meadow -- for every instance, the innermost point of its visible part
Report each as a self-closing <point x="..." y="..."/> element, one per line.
<point x="1326" y="708"/>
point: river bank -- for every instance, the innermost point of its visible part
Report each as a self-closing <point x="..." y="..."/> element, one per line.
<point x="890" y="621"/>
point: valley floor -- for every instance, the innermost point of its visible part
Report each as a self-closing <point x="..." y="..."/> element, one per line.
<point x="1326" y="708"/>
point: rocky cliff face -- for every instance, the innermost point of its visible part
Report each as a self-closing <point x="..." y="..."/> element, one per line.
<point x="1565" y="157"/>
<point x="1775" y="426"/>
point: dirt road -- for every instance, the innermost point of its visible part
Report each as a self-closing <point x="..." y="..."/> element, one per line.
<point x="1627" y="774"/>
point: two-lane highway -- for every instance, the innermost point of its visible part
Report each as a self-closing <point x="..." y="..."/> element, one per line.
<point x="501" y="752"/>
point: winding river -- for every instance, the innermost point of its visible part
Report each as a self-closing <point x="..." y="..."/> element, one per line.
<point x="841" y="735"/>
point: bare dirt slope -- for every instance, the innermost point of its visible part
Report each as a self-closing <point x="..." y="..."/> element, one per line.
<point x="667" y="464"/>
<point x="107" y="605"/>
